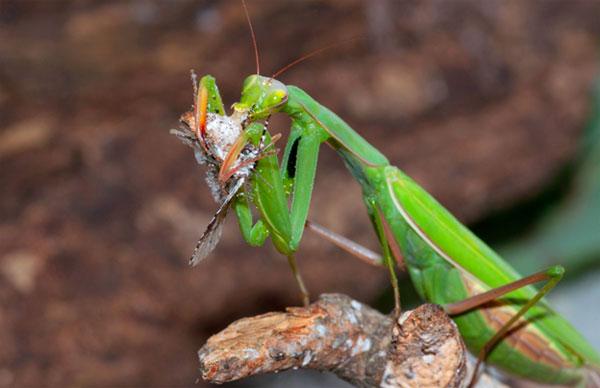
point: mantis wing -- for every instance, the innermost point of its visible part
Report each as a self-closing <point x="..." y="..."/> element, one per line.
<point x="462" y="249"/>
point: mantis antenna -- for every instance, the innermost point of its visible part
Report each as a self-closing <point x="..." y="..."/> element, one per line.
<point x="253" y="37"/>
<point x="312" y="54"/>
<point x="296" y="61"/>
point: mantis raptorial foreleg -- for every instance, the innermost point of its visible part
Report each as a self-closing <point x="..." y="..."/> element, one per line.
<point x="306" y="152"/>
<point x="255" y="234"/>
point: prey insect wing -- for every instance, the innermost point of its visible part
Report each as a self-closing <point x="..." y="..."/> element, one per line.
<point x="211" y="236"/>
<point x="186" y="137"/>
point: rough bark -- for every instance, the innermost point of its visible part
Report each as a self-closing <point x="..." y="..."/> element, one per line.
<point x="338" y="334"/>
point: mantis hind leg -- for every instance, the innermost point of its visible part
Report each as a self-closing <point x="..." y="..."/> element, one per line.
<point x="552" y="275"/>
<point x="391" y="252"/>
<point x="360" y="252"/>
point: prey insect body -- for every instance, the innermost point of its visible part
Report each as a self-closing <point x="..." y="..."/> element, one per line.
<point x="224" y="145"/>
<point x="240" y="158"/>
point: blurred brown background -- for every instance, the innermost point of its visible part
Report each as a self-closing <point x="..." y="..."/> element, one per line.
<point x="484" y="103"/>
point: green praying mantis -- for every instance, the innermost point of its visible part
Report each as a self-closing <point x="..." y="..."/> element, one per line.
<point x="500" y="315"/>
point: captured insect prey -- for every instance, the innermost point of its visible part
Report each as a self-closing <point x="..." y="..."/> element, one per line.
<point x="223" y="144"/>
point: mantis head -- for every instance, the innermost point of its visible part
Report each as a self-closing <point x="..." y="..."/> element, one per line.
<point x="261" y="96"/>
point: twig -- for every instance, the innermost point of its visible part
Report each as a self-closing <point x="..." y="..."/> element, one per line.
<point x="343" y="336"/>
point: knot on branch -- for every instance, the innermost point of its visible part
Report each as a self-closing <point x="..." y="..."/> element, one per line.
<point x="426" y="351"/>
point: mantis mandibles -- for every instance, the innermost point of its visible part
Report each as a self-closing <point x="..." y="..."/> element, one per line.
<point x="500" y="315"/>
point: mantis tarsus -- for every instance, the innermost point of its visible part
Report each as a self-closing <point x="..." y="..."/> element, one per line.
<point x="500" y="315"/>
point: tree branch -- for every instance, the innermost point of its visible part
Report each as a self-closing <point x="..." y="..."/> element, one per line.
<point x="343" y="336"/>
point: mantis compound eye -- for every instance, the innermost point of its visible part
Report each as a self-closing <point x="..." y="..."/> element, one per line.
<point x="277" y="93"/>
<point x="262" y="96"/>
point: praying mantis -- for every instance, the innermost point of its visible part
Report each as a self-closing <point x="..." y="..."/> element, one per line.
<point x="500" y="315"/>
